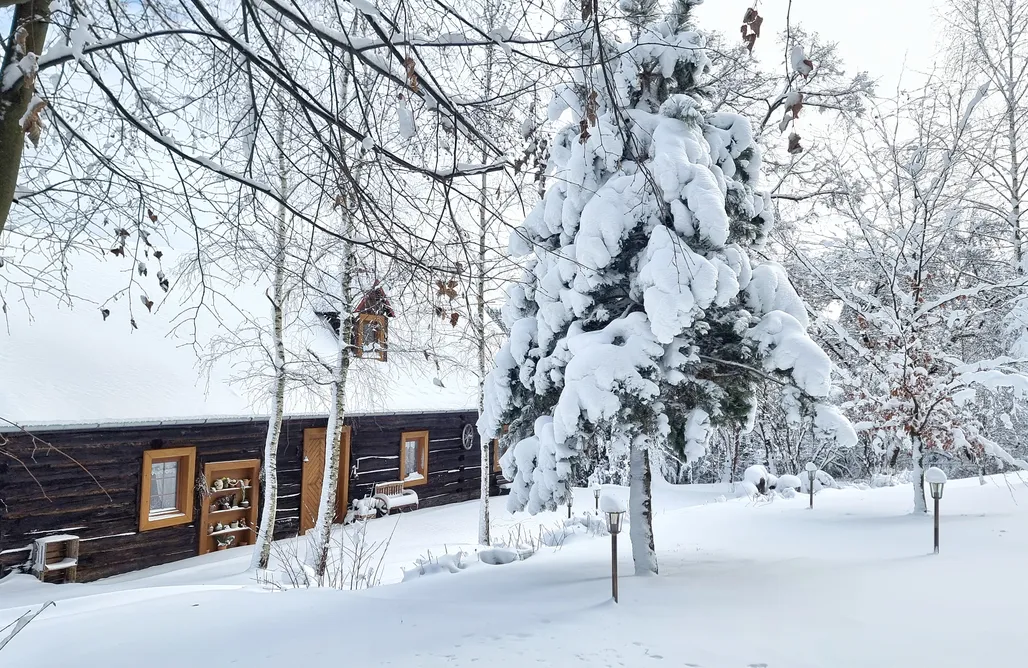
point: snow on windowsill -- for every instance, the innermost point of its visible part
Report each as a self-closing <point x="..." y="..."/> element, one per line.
<point x="154" y="517"/>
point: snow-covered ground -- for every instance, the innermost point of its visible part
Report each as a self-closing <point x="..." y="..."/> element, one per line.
<point x="743" y="584"/>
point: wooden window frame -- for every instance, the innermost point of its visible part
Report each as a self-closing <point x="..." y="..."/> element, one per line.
<point x="358" y="335"/>
<point x="410" y="436"/>
<point x="186" y="458"/>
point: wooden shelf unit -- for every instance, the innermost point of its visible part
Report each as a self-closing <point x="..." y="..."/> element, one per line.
<point x="240" y="469"/>
<point x="56" y="558"/>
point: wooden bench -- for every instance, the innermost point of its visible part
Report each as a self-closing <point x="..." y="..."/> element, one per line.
<point x="392" y="496"/>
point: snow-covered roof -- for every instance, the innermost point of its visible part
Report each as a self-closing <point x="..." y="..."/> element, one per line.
<point x="62" y="363"/>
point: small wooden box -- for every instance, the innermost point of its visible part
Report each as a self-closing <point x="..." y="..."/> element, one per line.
<point x="56" y="558"/>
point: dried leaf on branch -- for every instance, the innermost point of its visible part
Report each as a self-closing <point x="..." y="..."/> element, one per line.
<point x="412" y="75"/>
<point x="794" y="144"/>
<point x="750" y="28"/>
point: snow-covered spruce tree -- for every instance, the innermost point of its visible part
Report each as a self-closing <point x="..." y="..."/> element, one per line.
<point x="640" y="322"/>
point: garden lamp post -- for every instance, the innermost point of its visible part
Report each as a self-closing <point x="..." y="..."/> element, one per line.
<point x="596" y="496"/>
<point x="936" y="478"/>
<point x="615" y="512"/>
<point x="812" y="475"/>
<point x="571" y="500"/>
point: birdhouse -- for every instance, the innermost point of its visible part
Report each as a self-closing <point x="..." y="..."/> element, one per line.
<point x="371" y="324"/>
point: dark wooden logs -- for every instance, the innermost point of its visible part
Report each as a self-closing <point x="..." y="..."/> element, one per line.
<point x="85" y="480"/>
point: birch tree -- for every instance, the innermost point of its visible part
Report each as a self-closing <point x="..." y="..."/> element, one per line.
<point x="277" y="298"/>
<point x="322" y="533"/>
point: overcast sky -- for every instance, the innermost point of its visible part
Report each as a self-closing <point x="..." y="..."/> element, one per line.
<point x="873" y="35"/>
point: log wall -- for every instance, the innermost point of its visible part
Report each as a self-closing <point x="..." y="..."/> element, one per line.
<point x="86" y="480"/>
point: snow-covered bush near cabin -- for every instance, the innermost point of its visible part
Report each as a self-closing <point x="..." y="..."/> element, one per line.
<point x="758" y="476"/>
<point x="433" y="565"/>
<point x="787" y="481"/>
<point x="822" y="480"/>
<point x="747" y="489"/>
<point x="497" y="556"/>
<point x="594" y="525"/>
<point x="641" y="322"/>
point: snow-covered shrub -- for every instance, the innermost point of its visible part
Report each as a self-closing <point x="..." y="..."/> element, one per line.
<point x="746" y="489"/>
<point x="594" y="525"/>
<point x="497" y="556"/>
<point x="758" y="476"/>
<point x="520" y="540"/>
<point x="788" y="482"/>
<point x="821" y="481"/>
<point x="432" y="565"/>
<point x="354" y="561"/>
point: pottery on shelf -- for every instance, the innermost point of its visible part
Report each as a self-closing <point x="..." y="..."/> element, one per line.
<point x="244" y="504"/>
<point x="218" y="484"/>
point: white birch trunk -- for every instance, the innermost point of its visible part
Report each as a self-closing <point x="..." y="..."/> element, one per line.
<point x="265" y="535"/>
<point x="483" y="217"/>
<point x="640" y="510"/>
<point x="917" y="457"/>
<point x="322" y="534"/>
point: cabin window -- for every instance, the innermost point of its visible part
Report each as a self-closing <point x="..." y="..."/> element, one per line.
<point x="370" y="336"/>
<point x="163" y="487"/>
<point x="167" y="488"/>
<point x="414" y="458"/>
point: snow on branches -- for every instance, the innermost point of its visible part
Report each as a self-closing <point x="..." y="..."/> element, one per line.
<point x="640" y="322"/>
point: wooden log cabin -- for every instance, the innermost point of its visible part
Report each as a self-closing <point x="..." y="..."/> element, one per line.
<point x="100" y="482"/>
<point x="83" y="458"/>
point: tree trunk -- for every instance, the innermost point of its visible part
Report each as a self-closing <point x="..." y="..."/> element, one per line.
<point x="640" y="510"/>
<point x="330" y="483"/>
<point x="322" y="533"/>
<point x="735" y="453"/>
<point x="1013" y="108"/>
<point x="265" y="536"/>
<point x="917" y="457"/>
<point x="32" y="16"/>
<point x="1015" y="192"/>
<point x="483" y="217"/>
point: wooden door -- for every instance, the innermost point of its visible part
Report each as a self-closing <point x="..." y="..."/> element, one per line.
<point x="314" y="474"/>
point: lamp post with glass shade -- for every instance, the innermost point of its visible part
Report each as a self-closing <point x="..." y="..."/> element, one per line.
<point x="936" y="478"/>
<point x="614" y="508"/>
<point x="596" y="496"/>
<point x="812" y="475"/>
<point x="571" y="500"/>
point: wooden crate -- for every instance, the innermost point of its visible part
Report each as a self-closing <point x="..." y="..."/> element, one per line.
<point x="56" y="558"/>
